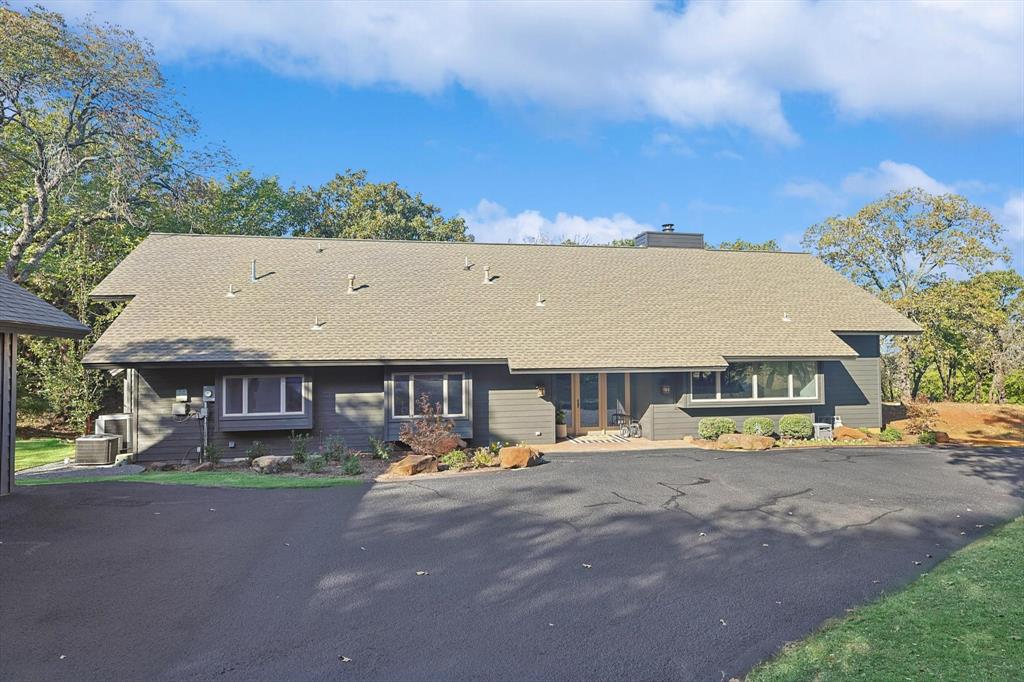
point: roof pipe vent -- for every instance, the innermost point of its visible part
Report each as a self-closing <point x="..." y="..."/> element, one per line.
<point x="252" y="271"/>
<point x="232" y="291"/>
<point x="540" y="301"/>
<point x="319" y="248"/>
<point x="466" y="265"/>
<point x="351" y="284"/>
<point x="487" y="274"/>
<point x="786" y="317"/>
<point x="668" y="227"/>
<point x="317" y="324"/>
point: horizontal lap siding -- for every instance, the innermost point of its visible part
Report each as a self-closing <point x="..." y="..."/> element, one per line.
<point x="158" y="435"/>
<point x="506" y="407"/>
<point x="854" y="387"/>
<point x="349" y="402"/>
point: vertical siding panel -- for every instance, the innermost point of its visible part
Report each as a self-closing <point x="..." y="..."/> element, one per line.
<point x="8" y="408"/>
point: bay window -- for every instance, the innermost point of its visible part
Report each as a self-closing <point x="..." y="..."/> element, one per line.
<point x="262" y="395"/>
<point x="445" y="391"/>
<point x="757" y="381"/>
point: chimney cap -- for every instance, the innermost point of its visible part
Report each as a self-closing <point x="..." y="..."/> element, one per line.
<point x="668" y="227"/>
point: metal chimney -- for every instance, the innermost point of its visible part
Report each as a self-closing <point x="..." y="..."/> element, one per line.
<point x="252" y="271"/>
<point x="668" y="227"/>
<point x="351" y="283"/>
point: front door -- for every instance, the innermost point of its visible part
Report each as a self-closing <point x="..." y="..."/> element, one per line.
<point x="596" y="398"/>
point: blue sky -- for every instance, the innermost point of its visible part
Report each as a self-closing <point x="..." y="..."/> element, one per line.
<point x="737" y="120"/>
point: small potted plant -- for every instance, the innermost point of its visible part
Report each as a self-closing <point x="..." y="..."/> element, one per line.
<point x="561" y="430"/>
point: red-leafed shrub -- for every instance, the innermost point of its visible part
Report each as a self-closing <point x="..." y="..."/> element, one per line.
<point x="429" y="433"/>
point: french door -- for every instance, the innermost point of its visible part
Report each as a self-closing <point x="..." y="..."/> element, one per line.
<point x="595" y="398"/>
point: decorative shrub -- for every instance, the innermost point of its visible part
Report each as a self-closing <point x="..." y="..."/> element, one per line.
<point x="495" y="448"/>
<point x="212" y="454"/>
<point x="759" y="426"/>
<point x="890" y="435"/>
<point x="315" y="464"/>
<point x="300" y="446"/>
<point x="710" y="428"/>
<point x="482" y="458"/>
<point x="334" y="448"/>
<point x="456" y="459"/>
<point x="256" y="450"/>
<point x="380" y="449"/>
<point x="352" y="466"/>
<point x="429" y="433"/>
<point x="921" y="418"/>
<point x="559" y="417"/>
<point x="796" y="426"/>
<point x="927" y="438"/>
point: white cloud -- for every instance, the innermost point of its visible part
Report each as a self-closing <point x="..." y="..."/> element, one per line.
<point x="491" y="222"/>
<point x="891" y="176"/>
<point x="728" y="155"/>
<point x="1011" y="216"/>
<point x="668" y="143"/>
<point x="703" y="65"/>
<point x="813" y="190"/>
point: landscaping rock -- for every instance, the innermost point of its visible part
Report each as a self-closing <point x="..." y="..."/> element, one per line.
<point x="941" y="437"/>
<point x="162" y="466"/>
<point x="518" y="457"/>
<point x="271" y="464"/>
<point x="411" y="465"/>
<point x="847" y="433"/>
<point x="745" y="441"/>
<point x="204" y="466"/>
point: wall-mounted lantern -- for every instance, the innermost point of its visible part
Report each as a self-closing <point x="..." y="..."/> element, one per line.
<point x="540" y="390"/>
<point x="666" y="389"/>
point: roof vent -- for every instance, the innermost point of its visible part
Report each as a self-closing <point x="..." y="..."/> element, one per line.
<point x="670" y="239"/>
<point x="319" y="248"/>
<point x="252" y="272"/>
<point x="786" y="317"/>
<point x="466" y="265"/>
<point x="317" y="324"/>
<point x="351" y="284"/>
<point x="487" y="274"/>
<point x="232" y="291"/>
<point x="540" y="301"/>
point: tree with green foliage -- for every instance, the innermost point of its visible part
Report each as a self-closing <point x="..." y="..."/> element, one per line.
<point x="89" y="133"/>
<point x="241" y="203"/>
<point x="744" y="245"/>
<point x="902" y="244"/>
<point x="351" y="206"/>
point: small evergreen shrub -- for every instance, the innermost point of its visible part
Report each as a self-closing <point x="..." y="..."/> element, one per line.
<point x="334" y="448"/>
<point x="927" y="438"/>
<point x="352" y="467"/>
<point x="759" y="426"/>
<point x="380" y="449"/>
<point x="300" y="447"/>
<point x="796" y="426"/>
<point x="455" y="459"/>
<point x="890" y="435"/>
<point x="315" y="464"/>
<point x="212" y="454"/>
<point x="710" y="428"/>
<point x="256" y="450"/>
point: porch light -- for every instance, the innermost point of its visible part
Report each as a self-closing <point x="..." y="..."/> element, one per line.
<point x="540" y="390"/>
<point x="666" y="389"/>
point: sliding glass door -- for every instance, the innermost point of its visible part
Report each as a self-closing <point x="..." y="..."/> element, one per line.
<point x="596" y="398"/>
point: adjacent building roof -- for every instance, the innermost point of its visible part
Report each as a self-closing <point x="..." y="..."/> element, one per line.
<point x="24" y="313"/>
<point x="543" y="308"/>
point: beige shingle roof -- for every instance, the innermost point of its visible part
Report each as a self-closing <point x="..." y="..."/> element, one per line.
<point x="603" y="307"/>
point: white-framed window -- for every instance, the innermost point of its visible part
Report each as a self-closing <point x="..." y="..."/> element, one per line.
<point x="444" y="389"/>
<point x="785" y="380"/>
<point x="262" y="395"/>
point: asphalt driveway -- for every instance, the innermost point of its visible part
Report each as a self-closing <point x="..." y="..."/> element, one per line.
<point x="685" y="565"/>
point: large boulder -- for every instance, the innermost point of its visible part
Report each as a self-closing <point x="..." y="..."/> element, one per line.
<point x="744" y="441"/>
<point x="848" y="433"/>
<point x="203" y="466"/>
<point x="941" y="437"/>
<point x="413" y="464"/>
<point x="518" y="457"/>
<point x="271" y="464"/>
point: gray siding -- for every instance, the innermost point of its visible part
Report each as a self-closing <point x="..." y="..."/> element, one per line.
<point x="349" y="402"/>
<point x="851" y="389"/>
<point x="677" y="240"/>
<point x="855" y="386"/>
<point x="8" y="407"/>
<point x="506" y="407"/>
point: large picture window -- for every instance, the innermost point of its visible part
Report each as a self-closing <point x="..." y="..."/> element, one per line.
<point x="262" y="395"/>
<point x="757" y="381"/>
<point x="443" y="390"/>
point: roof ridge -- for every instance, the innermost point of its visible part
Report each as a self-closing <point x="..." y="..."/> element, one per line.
<point x="472" y="243"/>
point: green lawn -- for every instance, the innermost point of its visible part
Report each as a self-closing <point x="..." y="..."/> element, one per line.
<point x="962" y="621"/>
<point x="214" y="479"/>
<point x="32" y="453"/>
